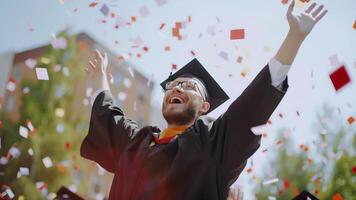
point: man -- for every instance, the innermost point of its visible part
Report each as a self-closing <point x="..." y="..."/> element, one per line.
<point x="195" y="157"/>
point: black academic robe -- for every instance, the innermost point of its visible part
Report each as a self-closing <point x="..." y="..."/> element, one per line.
<point x="201" y="163"/>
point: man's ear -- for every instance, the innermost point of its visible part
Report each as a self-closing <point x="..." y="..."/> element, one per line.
<point x="204" y="107"/>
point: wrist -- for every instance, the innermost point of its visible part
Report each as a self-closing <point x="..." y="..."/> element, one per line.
<point x="296" y="35"/>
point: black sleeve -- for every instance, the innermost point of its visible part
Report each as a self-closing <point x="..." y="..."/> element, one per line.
<point x="234" y="141"/>
<point x="109" y="133"/>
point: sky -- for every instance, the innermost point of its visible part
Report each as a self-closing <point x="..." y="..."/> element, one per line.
<point x="28" y="24"/>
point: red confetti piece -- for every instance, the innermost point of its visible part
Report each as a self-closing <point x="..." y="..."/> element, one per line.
<point x="145" y="49"/>
<point x="354" y="169"/>
<point x="67" y="145"/>
<point x="287" y="184"/>
<point x="237" y="34"/>
<point x="284" y="1"/>
<point x="174" y="66"/>
<point x="339" y="78"/>
<point x="304" y="1"/>
<point x="337" y="196"/>
<point x="351" y="120"/>
<point x="138" y="55"/>
<point x="93" y="4"/>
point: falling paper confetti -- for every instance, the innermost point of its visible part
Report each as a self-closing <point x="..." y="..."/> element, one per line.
<point x="275" y="180"/>
<point x="339" y="78"/>
<point x="59" y="43"/>
<point x="93" y="4"/>
<point x="351" y="120"/>
<point x="23" y="131"/>
<point x="42" y="74"/>
<point x="11" y="85"/>
<point x="24" y="171"/>
<point x="104" y="10"/>
<point x="14" y="152"/>
<point x="47" y="162"/>
<point x="224" y="55"/>
<point x="161" y="2"/>
<point x="334" y="60"/>
<point x="31" y="63"/>
<point x="237" y="34"/>
<point x="354" y="26"/>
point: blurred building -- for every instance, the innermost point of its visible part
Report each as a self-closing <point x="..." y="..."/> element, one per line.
<point x="131" y="90"/>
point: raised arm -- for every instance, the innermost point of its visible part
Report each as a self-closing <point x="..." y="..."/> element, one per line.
<point x="299" y="28"/>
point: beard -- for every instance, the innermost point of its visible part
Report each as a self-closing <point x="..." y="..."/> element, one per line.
<point x="180" y="118"/>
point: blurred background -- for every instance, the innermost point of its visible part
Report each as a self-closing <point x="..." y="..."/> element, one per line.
<point x="308" y="143"/>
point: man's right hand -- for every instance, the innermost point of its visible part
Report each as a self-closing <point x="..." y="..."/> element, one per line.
<point x="97" y="72"/>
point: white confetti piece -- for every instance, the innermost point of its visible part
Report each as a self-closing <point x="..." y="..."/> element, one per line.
<point x="122" y="96"/>
<point x="59" y="112"/>
<point x="161" y="2"/>
<point x="224" y="55"/>
<point x="25" y="90"/>
<point x="30" y="151"/>
<point x="23" y="131"/>
<point x="131" y="72"/>
<point x="42" y="74"/>
<point x="24" y="171"/>
<point x="275" y="180"/>
<point x="127" y="82"/>
<point x="59" y="43"/>
<point x="11" y="86"/>
<point x="31" y="63"/>
<point x="14" y="152"/>
<point x="47" y="162"/>
<point x="30" y="126"/>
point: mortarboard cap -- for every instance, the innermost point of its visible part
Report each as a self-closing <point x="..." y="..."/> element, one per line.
<point x="216" y="95"/>
<point x="65" y="194"/>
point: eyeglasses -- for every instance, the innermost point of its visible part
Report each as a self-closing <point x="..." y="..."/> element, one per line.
<point x="185" y="85"/>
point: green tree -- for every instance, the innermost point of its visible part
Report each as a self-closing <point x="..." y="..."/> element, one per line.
<point x="45" y="98"/>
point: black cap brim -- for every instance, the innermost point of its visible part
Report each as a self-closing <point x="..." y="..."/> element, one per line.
<point x="217" y="95"/>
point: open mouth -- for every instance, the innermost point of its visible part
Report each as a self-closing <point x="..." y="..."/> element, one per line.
<point x="176" y="100"/>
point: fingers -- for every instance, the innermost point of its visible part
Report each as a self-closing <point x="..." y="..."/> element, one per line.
<point x="291" y="6"/>
<point x="311" y="7"/>
<point x="317" y="11"/>
<point x="99" y="54"/>
<point x="321" y="15"/>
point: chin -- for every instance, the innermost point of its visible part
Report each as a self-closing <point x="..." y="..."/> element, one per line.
<point x="178" y="114"/>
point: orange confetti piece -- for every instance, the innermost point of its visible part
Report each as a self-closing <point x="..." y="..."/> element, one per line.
<point x="93" y="4"/>
<point x="284" y="1"/>
<point x="167" y="48"/>
<point x="133" y="18"/>
<point x="162" y="25"/>
<point x="354" y="26"/>
<point x="337" y="196"/>
<point x="351" y="120"/>
<point x="237" y="34"/>
<point x="280" y="142"/>
<point x="249" y="170"/>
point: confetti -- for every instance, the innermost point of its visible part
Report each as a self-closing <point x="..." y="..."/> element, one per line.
<point x="275" y="180"/>
<point x="271" y="198"/>
<point x="354" y="26"/>
<point x="122" y="96"/>
<point x="162" y="25"/>
<point x="24" y="171"/>
<point x="30" y="151"/>
<point x="45" y="60"/>
<point x="224" y="55"/>
<point x="127" y="82"/>
<point x="23" y="131"/>
<point x="160" y="2"/>
<point x="31" y="63"/>
<point x="11" y="85"/>
<point x="59" y="112"/>
<point x="14" y="152"/>
<point x="104" y="10"/>
<point x="59" y="43"/>
<point x="334" y="60"/>
<point x="92" y="5"/>
<point x="47" y="162"/>
<point x="351" y="120"/>
<point x="337" y="196"/>
<point x="60" y="128"/>
<point x="239" y="59"/>
<point x="339" y="78"/>
<point x="144" y="11"/>
<point x="237" y="34"/>
<point x="42" y="74"/>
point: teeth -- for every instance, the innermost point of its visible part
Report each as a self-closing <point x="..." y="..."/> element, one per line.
<point x="176" y="98"/>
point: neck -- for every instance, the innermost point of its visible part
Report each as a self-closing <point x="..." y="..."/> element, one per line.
<point x="179" y="127"/>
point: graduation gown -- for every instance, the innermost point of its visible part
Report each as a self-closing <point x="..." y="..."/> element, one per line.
<point x="200" y="163"/>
